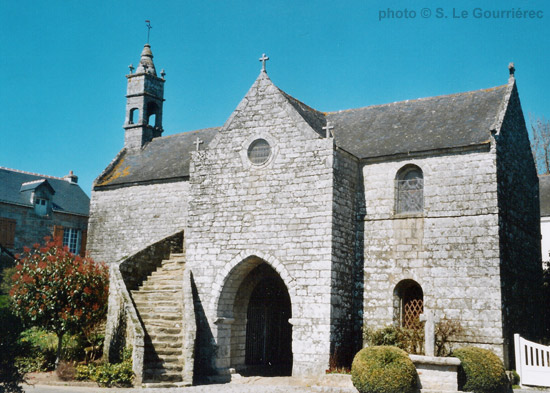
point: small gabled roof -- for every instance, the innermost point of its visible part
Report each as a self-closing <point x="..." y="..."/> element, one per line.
<point x="35" y="184"/>
<point x="67" y="197"/>
<point x="544" y="192"/>
<point x="163" y="158"/>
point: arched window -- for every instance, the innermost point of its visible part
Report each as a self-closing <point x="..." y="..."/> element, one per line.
<point x="408" y="304"/>
<point x="152" y="110"/>
<point x="134" y="116"/>
<point x="409" y="190"/>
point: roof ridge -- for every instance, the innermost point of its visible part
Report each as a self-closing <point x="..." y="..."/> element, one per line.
<point x="32" y="173"/>
<point x="297" y="100"/>
<point x="188" y="132"/>
<point x="416" y="99"/>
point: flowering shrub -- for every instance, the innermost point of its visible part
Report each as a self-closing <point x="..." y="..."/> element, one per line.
<point x="57" y="290"/>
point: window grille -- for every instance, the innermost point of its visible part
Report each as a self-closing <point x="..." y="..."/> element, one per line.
<point x="410" y="195"/>
<point x="411" y="313"/>
<point x="259" y="151"/>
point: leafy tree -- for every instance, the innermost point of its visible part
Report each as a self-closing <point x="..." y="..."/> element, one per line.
<point x="540" y="144"/>
<point x="57" y="290"/>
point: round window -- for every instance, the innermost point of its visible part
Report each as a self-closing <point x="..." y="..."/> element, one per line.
<point x="259" y="152"/>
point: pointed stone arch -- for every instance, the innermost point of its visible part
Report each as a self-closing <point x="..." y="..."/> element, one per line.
<point x="254" y="295"/>
<point x="248" y="256"/>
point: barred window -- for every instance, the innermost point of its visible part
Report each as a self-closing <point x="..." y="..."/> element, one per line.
<point x="409" y="190"/>
<point x="409" y="304"/>
<point x="259" y="151"/>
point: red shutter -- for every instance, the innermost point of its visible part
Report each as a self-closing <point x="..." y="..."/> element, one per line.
<point x="7" y="232"/>
<point x="58" y="233"/>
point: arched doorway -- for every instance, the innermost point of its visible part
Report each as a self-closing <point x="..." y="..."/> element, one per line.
<point x="268" y="332"/>
<point x="254" y="308"/>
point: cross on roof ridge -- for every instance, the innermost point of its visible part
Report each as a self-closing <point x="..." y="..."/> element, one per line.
<point x="263" y="59"/>
<point x="328" y="129"/>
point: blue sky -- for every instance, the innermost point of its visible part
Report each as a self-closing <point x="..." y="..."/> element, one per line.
<point x="63" y="63"/>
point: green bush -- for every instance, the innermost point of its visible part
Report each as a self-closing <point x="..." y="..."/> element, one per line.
<point x="10" y="376"/>
<point x="409" y="340"/>
<point x="383" y="369"/>
<point x="481" y="371"/>
<point x="108" y="374"/>
<point x="39" y="350"/>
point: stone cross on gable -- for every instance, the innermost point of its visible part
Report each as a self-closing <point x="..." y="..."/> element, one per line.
<point x="429" y="331"/>
<point x="131" y="67"/>
<point x="328" y="129"/>
<point x="263" y="59"/>
<point x="198" y="142"/>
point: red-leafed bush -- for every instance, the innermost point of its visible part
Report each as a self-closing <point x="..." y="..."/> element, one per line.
<point x="57" y="290"/>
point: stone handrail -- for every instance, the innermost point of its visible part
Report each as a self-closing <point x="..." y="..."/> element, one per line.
<point x="126" y="275"/>
<point x="136" y="332"/>
<point x="190" y="331"/>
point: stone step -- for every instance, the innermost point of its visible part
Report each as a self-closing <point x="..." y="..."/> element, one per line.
<point x="161" y="295"/>
<point x="157" y="303"/>
<point x="170" y="377"/>
<point x="167" y="319"/>
<point x="154" y="330"/>
<point x="159" y="362"/>
<point x="162" y="352"/>
<point x="160" y="287"/>
<point x="159" y="345"/>
<point x="171" y="266"/>
<point x="162" y="275"/>
<point x="148" y="307"/>
<point x="168" y="362"/>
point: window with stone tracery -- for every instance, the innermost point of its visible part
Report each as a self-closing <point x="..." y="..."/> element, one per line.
<point x="409" y="190"/>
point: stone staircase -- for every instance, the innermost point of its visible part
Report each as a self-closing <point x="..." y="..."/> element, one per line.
<point x="159" y="302"/>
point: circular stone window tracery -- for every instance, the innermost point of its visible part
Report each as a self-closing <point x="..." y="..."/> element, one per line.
<point x="259" y="152"/>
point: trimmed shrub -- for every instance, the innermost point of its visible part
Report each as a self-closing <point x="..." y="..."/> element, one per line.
<point x="481" y="371"/>
<point x="383" y="369"/>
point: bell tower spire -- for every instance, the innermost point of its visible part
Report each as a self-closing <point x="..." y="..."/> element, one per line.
<point x="144" y="99"/>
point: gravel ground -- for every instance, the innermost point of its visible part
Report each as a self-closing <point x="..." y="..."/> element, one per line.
<point x="325" y="384"/>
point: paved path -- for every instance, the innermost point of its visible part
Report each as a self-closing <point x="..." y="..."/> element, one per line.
<point x="334" y="384"/>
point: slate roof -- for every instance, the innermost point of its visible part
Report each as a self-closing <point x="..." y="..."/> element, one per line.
<point x="163" y="158"/>
<point x="68" y="197"/>
<point x="449" y="121"/>
<point x="544" y="192"/>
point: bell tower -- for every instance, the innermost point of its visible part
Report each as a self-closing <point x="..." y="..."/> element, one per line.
<point x="144" y="98"/>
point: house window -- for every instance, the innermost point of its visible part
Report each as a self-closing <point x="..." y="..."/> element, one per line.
<point x="71" y="239"/>
<point x="7" y="233"/>
<point x="409" y="190"/>
<point x="408" y="304"/>
<point x="41" y="206"/>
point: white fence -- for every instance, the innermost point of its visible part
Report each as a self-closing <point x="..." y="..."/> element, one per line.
<point x="532" y="362"/>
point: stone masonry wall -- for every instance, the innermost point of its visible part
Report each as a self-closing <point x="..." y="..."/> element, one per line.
<point x="279" y="212"/>
<point x="127" y="219"/>
<point x="344" y="286"/>
<point x="451" y="249"/>
<point x="518" y="195"/>
<point x="31" y="228"/>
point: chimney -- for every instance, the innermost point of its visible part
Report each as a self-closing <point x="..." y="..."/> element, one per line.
<point x="71" y="178"/>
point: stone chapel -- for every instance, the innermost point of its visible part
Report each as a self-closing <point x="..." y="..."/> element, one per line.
<point x="268" y="244"/>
